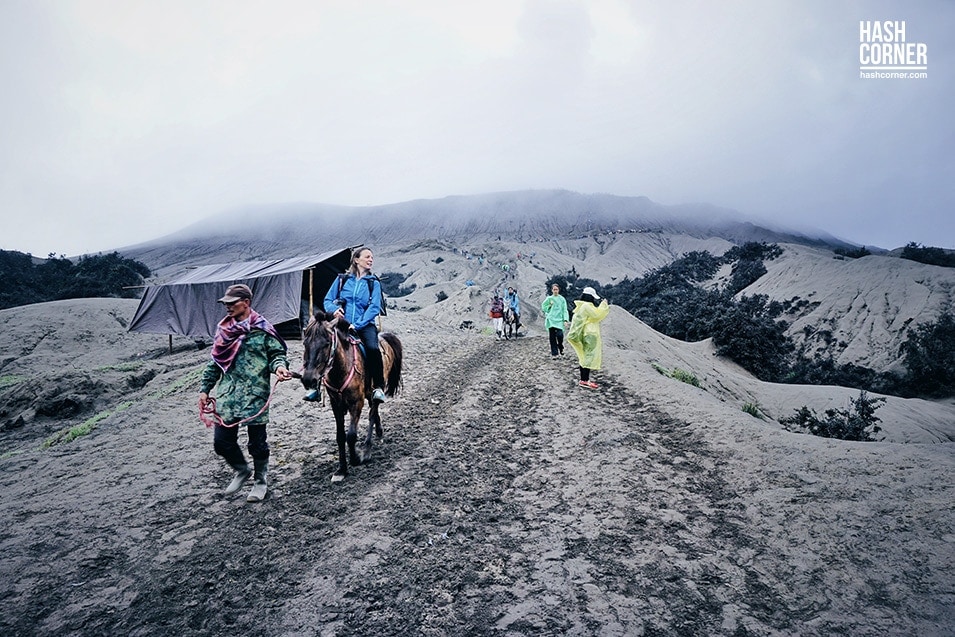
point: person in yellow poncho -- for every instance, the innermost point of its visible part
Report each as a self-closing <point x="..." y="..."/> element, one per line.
<point x="584" y="333"/>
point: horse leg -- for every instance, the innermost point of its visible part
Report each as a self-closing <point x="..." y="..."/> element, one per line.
<point x="378" y="430"/>
<point x="374" y="415"/>
<point x="366" y="444"/>
<point x="342" y="471"/>
<point x="352" y="437"/>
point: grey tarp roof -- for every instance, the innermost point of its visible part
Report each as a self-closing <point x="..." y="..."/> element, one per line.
<point x="189" y="305"/>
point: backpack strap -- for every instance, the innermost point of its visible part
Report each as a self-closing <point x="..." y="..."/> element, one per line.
<point x="371" y="287"/>
<point x="341" y="283"/>
<point x="381" y="293"/>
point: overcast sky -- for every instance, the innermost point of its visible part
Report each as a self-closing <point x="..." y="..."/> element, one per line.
<point x="125" y="120"/>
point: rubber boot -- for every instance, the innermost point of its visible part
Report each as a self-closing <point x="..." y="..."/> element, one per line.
<point x="242" y="473"/>
<point x="260" y="485"/>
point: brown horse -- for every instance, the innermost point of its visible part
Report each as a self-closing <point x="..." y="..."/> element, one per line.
<point x="334" y="359"/>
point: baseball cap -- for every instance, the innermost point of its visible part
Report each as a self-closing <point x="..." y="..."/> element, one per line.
<point x="237" y="293"/>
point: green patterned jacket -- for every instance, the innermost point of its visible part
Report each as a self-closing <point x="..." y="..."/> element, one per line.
<point x="245" y="388"/>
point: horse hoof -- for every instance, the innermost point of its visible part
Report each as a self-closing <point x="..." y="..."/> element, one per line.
<point x="337" y="477"/>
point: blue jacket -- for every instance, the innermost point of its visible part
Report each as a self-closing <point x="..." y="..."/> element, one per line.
<point x="512" y="302"/>
<point x="359" y="309"/>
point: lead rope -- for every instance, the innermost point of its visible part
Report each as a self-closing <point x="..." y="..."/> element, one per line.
<point x="210" y="417"/>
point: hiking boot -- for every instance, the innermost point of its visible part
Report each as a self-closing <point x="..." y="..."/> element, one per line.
<point x="379" y="395"/>
<point x="242" y="474"/>
<point x="260" y="486"/>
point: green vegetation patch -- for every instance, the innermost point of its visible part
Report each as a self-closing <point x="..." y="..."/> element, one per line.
<point x="678" y="374"/>
<point x="11" y="379"/>
<point x="70" y="434"/>
<point x="192" y="378"/>
<point x="753" y="409"/>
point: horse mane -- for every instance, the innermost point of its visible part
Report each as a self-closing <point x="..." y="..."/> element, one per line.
<point x="325" y="317"/>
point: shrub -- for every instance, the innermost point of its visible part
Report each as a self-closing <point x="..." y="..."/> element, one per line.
<point x="751" y="338"/>
<point x="859" y="424"/>
<point x="685" y="377"/>
<point x="678" y="374"/>
<point x="752" y="409"/>
<point x="392" y="283"/>
<point x="929" y="256"/>
<point x="854" y="253"/>
<point x="929" y="355"/>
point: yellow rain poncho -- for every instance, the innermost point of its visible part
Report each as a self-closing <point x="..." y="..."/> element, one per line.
<point x="584" y="333"/>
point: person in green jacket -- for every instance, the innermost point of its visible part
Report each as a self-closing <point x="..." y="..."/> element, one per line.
<point x="555" y="319"/>
<point x="584" y="333"/>
<point x="245" y="352"/>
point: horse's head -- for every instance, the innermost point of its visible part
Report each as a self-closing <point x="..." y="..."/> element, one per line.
<point x="319" y="341"/>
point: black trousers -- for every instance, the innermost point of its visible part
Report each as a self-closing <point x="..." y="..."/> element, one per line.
<point x="556" y="340"/>
<point x="373" y="362"/>
<point x="584" y="374"/>
<point x="225" y="440"/>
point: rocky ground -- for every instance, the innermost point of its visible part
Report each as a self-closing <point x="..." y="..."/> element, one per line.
<point x="503" y="500"/>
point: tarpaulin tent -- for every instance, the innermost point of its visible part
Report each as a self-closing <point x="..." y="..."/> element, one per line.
<point x="283" y="291"/>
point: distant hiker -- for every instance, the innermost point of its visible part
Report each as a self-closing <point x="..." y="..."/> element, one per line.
<point x="497" y="315"/>
<point x="246" y="350"/>
<point x="356" y="297"/>
<point x="584" y="333"/>
<point x="555" y="319"/>
<point x="511" y="301"/>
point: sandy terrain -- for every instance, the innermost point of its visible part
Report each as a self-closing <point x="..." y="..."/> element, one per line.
<point x="504" y="500"/>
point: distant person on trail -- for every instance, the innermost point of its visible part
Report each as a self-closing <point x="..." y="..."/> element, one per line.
<point x="555" y="319"/>
<point x="356" y="297"/>
<point x="511" y="301"/>
<point x="497" y="315"/>
<point x="246" y="350"/>
<point x="584" y="333"/>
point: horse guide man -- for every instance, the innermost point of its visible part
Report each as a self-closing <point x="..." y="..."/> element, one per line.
<point x="245" y="352"/>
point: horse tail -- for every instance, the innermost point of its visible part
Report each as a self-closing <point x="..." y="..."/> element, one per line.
<point x="394" y="373"/>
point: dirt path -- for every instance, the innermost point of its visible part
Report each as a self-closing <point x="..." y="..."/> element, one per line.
<point x="504" y="500"/>
<point x="500" y="502"/>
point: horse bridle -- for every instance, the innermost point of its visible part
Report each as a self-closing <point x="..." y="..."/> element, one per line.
<point x="331" y="359"/>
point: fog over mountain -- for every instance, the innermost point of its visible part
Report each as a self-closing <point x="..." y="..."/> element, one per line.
<point x="856" y="311"/>
<point x="534" y="216"/>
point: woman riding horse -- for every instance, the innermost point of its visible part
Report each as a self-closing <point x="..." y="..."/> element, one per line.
<point x="333" y="358"/>
<point x="356" y="297"/>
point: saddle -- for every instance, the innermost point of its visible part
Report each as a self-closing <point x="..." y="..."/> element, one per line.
<point x="355" y="341"/>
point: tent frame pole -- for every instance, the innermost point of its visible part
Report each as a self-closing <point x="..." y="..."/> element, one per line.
<point x="311" y="293"/>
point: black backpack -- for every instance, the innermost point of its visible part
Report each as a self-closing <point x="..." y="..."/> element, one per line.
<point x="371" y="290"/>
